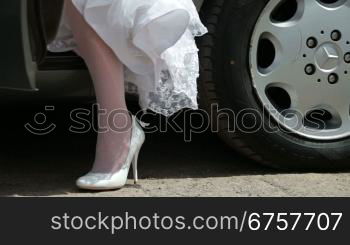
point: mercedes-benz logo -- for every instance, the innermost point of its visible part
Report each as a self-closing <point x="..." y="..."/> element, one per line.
<point x="327" y="57"/>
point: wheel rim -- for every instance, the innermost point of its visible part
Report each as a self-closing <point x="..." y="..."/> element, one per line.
<point x="300" y="66"/>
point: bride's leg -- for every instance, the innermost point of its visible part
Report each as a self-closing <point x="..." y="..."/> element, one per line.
<point x="107" y="73"/>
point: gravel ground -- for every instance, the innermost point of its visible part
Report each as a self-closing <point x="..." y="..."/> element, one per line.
<point x="49" y="165"/>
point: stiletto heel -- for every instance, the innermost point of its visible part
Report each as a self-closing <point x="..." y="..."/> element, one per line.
<point x="134" y="167"/>
<point x="110" y="181"/>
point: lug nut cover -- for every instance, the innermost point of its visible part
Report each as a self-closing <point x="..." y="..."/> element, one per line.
<point x="333" y="78"/>
<point x="347" y="57"/>
<point x="336" y="35"/>
<point x="311" y="42"/>
<point x="310" y="69"/>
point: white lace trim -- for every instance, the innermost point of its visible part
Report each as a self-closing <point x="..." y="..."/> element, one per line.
<point x="177" y="88"/>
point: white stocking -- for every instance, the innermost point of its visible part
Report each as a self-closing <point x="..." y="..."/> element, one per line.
<point x="107" y="74"/>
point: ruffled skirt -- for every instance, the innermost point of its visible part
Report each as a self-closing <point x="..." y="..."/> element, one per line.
<point x="154" y="39"/>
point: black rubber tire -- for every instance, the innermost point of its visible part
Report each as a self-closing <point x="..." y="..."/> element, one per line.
<point x="225" y="80"/>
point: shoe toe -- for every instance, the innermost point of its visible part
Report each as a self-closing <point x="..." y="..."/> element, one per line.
<point x="92" y="181"/>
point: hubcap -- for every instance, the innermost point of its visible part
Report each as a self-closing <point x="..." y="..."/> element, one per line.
<point x="300" y="66"/>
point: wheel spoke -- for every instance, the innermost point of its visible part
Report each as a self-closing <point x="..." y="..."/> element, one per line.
<point x="345" y="118"/>
<point x="280" y="35"/>
<point x="281" y="74"/>
<point x="312" y="8"/>
<point x="302" y="105"/>
<point x="340" y="111"/>
<point x="309" y="7"/>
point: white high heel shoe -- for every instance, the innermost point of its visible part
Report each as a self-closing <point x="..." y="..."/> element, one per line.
<point x="100" y="181"/>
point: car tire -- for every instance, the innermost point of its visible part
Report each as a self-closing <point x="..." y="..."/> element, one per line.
<point x="226" y="81"/>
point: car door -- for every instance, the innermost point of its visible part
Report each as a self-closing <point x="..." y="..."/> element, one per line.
<point x="17" y="67"/>
<point x="26" y="28"/>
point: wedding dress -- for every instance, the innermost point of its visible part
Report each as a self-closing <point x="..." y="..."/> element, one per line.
<point x="154" y="39"/>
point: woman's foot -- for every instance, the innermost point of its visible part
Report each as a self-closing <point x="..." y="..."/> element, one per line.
<point x="113" y="141"/>
<point x="117" y="179"/>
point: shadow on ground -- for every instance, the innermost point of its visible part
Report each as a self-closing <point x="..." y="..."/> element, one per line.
<point x="48" y="165"/>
